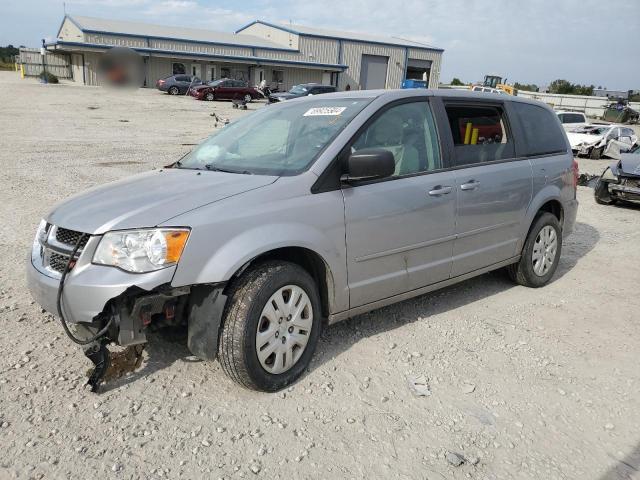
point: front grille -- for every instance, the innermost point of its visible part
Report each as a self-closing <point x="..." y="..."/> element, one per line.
<point x="58" y="262"/>
<point x="70" y="237"/>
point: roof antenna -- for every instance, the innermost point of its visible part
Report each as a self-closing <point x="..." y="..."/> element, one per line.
<point x="64" y="8"/>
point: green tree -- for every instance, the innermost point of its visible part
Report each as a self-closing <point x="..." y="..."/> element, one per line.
<point x="567" y="88"/>
<point x="456" y="81"/>
<point x="6" y="53"/>
<point x="529" y="87"/>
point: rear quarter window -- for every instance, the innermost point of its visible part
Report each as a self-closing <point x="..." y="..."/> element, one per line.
<point x="541" y="130"/>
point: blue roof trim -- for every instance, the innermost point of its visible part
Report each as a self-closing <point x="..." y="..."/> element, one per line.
<point x="316" y="35"/>
<point x="204" y="55"/>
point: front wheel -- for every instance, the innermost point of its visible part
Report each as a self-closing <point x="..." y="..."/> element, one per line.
<point x="541" y="253"/>
<point x="271" y="326"/>
<point x="210" y="97"/>
<point x="596" y="153"/>
<point x="248" y="98"/>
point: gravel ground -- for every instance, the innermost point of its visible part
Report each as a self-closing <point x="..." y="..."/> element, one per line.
<point x="526" y="384"/>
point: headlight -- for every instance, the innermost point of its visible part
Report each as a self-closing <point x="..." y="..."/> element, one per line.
<point x="141" y="251"/>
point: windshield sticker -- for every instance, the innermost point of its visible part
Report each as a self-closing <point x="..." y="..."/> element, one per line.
<point x="324" y="111"/>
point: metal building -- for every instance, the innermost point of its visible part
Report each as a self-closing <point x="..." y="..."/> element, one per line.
<point x="283" y="55"/>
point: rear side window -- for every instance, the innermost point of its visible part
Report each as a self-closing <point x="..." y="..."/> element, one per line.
<point x="542" y="133"/>
<point x="480" y="133"/>
<point x="571" y="118"/>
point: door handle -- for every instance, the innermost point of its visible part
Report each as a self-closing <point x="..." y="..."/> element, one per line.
<point x="470" y="185"/>
<point x="440" y="190"/>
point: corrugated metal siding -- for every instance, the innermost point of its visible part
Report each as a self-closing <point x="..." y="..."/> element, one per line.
<point x="435" y="57"/>
<point x="352" y="55"/>
<point x="115" y="40"/>
<point x="286" y="39"/>
<point x="320" y="50"/>
<point x="198" y="47"/>
<point x="58" y="64"/>
<point x="315" y="50"/>
<point x="70" y="32"/>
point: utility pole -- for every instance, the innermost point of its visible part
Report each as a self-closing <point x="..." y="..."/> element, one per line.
<point x="43" y="51"/>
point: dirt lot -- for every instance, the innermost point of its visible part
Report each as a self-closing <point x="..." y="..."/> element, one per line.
<point x="526" y="384"/>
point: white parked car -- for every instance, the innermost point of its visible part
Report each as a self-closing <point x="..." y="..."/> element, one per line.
<point x="572" y="120"/>
<point x="480" y="88"/>
<point x="596" y="141"/>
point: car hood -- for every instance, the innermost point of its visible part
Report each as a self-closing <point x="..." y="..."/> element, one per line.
<point x="630" y="164"/>
<point x="149" y="199"/>
<point x="576" y="139"/>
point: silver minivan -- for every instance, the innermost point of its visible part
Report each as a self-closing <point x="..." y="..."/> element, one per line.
<point x="306" y="213"/>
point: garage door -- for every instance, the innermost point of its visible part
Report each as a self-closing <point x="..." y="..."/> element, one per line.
<point x="373" y="72"/>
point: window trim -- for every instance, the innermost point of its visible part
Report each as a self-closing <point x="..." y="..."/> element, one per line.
<point x="329" y="179"/>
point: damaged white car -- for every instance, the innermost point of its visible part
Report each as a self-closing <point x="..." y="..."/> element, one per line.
<point x="597" y="141"/>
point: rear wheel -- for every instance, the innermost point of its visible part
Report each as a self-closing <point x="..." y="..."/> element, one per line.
<point x="174" y="91"/>
<point x="209" y="96"/>
<point x="248" y="98"/>
<point x="541" y="253"/>
<point x="271" y="326"/>
<point x="601" y="193"/>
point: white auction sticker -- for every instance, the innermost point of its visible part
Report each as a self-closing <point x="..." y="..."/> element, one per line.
<point x="318" y="111"/>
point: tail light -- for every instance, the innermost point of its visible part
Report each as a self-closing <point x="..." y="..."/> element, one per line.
<point x="576" y="173"/>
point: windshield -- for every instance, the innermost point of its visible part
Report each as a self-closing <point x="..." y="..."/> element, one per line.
<point x="298" y="90"/>
<point x="214" y="83"/>
<point x="283" y="139"/>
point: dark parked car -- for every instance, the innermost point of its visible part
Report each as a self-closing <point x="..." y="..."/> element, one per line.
<point x="301" y="90"/>
<point x="621" y="180"/>
<point x="225" y="89"/>
<point x="177" y="84"/>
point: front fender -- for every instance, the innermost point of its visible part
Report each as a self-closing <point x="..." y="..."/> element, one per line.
<point x="238" y="250"/>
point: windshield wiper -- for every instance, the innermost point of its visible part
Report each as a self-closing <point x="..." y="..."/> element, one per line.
<point x="214" y="168"/>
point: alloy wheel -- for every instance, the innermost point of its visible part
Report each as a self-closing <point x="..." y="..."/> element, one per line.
<point x="283" y="329"/>
<point x="544" y="250"/>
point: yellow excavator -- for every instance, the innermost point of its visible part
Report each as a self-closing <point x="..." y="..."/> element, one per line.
<point x="495" y="81"/>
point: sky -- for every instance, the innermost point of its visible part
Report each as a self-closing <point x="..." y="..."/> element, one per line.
<point x="535" y="41"/>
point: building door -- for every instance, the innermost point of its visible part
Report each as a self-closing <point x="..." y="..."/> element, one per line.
<point x="77" y="68"/>
<point x="211" y="72"/>
<point x="373" y="72"/>
<point x="195" y="70"/>
<point x="326" y="78"/>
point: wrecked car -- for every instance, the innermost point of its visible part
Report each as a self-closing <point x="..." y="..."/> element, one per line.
<point x="594" y="141"/>
<point x="303" y="214"/>
<point x="620" y="181"/>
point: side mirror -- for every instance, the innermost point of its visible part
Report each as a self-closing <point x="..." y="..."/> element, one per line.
<point x="369" y="164"/>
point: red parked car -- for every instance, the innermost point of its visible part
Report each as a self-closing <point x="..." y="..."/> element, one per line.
<point x="225" y="89"/>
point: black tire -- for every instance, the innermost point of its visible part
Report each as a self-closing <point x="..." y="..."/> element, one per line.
<point x="247" y="98"/>
<point x="247" y="297"/>
<point x="209" y="97"/>
<point x="174" y="91"/>
<point x="523" y="271"/>
<point x="596" y="153"/>
<point x="601" y="193"/>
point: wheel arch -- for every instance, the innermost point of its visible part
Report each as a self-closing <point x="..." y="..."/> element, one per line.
<point x="548" y="200"/>
<point x="311" y="261"/>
